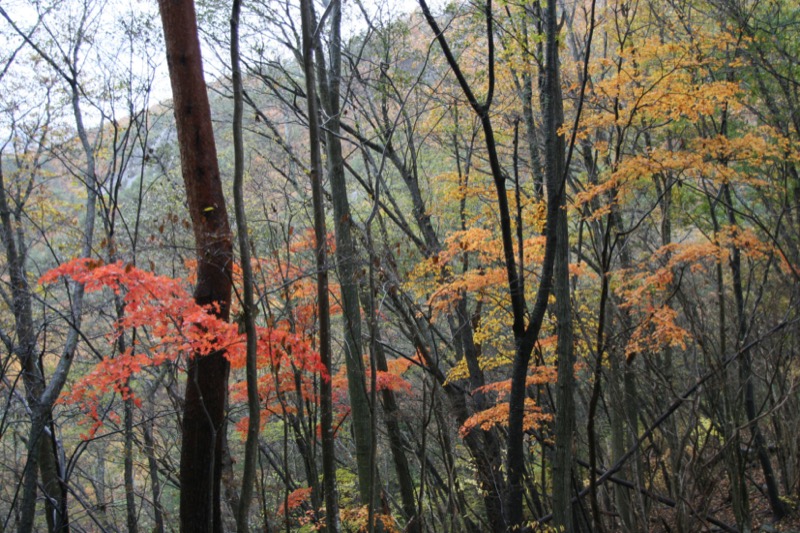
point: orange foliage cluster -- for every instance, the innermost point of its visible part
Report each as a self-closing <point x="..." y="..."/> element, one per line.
<point x="292" y="364"/>
<point x="497" y="414"/>
<point x="486" y="275"/>
<point x="392" y="379"/>
<point x="357" y="519"/>
<point x="647" y="293"/>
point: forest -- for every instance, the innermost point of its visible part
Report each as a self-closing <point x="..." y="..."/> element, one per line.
<point x="382" y="266"/>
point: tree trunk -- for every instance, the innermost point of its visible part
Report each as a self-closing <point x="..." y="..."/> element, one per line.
<point x="553" y="117"/>
<point x="346" y="258"/>
<point x="207" y="376"/>
<point x="130" y="495"/>
<point x="248" y="300"/>
<point x="323" y="305"/>
<point x="155" y="483"/>
<point x="392" y="416"/>
<point x="729" y="413"/>
<point x="565" y="388"/>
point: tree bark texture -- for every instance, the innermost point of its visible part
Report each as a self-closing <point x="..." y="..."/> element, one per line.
<point x="207" y="378"/>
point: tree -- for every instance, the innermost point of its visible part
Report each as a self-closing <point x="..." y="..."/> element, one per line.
<point x="525" y="334"/>
<point x="329" y="81"/>
<point x="248" y="282"/>
<point x="207" y="377"/>
<point x="41" y="395"/>
<point x="309" y="27"/>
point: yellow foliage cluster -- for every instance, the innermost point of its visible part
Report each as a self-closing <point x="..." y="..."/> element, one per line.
<point x="720" y="159"/>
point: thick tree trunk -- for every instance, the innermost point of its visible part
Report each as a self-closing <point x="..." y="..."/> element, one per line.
<point x="565" y="388"/>
<point x="207" y="378"/>
<point x="555" y="172"/>
<point x="131" y="513"/>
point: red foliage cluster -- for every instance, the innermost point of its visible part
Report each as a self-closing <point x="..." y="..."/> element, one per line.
<point x="177" y="326"/>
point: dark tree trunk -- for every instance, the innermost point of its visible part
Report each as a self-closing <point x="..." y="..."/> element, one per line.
<point x="207" y="379"/>
<point x="779" y="508"/>
<point x="323" y="305"/>
<point x="155" y="483"/>
<point x="130" y="495"/>
<point x="526" y="326"/>
<point x="248" y="297"/>
<point x="346" y="258"/>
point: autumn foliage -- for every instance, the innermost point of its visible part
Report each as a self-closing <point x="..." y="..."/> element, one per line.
<point x="680" y="270"/>
<point x="175" y="327"/>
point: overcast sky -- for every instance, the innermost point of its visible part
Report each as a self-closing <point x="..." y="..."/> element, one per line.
<point x="120" y="44"/>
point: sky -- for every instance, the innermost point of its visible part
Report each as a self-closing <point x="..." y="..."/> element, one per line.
<point x="125" y="38"/>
